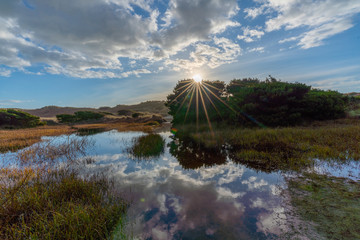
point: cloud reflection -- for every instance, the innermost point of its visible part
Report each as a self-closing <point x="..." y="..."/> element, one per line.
<point x="221" y="200"/>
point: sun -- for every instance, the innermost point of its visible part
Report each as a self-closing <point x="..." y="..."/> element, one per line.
<point x="197" y="78"/>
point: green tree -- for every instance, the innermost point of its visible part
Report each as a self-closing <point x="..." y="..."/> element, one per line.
<point x="191" y="102"/>
<point x="79" y="116"/>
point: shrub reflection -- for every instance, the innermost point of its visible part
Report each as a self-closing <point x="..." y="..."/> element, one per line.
<point x="192" y="155"/>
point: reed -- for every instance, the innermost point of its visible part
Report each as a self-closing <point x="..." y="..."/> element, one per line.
<point x="44" y="195"/>
<point x="12" y="140"/>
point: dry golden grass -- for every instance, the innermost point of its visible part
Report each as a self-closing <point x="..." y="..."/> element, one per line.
<point x="12" y="140"/>
<point x="120" y="126"/>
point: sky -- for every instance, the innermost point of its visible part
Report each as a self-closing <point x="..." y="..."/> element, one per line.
<point x="93" y="53"/>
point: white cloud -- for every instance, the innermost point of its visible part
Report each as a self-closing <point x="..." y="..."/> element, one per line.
<point x="258" y="49"/>
<point x="224" y="51"/>
<point x="289" y="39"/>
<point x="5" y="72"/>
<point x="323" y="18"/>
<point x="91" y="35"/>
<point x="316" y="36"/>
<point x="253" y="12"/>
<point x="250" y="35"/>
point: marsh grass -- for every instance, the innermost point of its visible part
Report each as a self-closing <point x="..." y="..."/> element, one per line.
<point x="120" y="126"/>
<point x="283" y="148"/>
<point x="43" y="195"/>
<point x="147" y="146"/>
<point x="332" y="204"/>
<point x="13" y="140"/>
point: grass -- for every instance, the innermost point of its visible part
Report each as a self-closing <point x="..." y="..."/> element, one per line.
<point x="331" y="204"/>
<point x="40" y="199"/>
<point x="60" y="205"/>
<point x="291" y="148"/>
<point x="120" y="126"/>
<point x="12" y="140"/>
<point x="144" y="147"/>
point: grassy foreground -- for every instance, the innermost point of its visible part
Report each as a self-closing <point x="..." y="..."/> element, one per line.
<point x="42" y="199"/>
<point x="58" y="205"/>
<point x="333" y="204"/>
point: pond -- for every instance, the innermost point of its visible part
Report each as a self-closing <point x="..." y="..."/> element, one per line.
<point x="184" y="191"/>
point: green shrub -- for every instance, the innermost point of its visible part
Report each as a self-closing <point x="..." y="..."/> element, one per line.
<point x="136" y="115"/>
<point x="66" y="118"/>
<point x="125" y="112"/>
<point x="250" y="102"/>
<point x="79" y="116"/>
<point x="151" y="145"/>
<point x="16" y="118"/>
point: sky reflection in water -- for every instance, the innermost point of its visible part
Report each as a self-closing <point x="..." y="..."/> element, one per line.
<point x="191" y="193"/>
<point x="227" y="201"/>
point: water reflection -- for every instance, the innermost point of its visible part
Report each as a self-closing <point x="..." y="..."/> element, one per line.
<point x="187" y="191"/>
<point x="190" y="192"/>
<point x="192" y="155"/>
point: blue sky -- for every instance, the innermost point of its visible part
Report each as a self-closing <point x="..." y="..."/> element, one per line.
<point x="106" y="52"/>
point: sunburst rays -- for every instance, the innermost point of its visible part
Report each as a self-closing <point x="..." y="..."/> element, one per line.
<point x="196" y="93"/>
<point x="202" y="95"/>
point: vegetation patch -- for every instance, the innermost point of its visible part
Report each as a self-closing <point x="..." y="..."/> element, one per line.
<point x="40" y="199"/>
<point x="332" y="204"/>
<point x="11" y="118"/>
<point x="90" y="131"/>
<point x="151" y="145"/>
<point x="79" y="117"/>
<point x="251" y="102"/>
<point x="291" y="148"/>
<point x="125" y="112"/>
<point x="13" y="140"/>
<point x="58" y="205"/>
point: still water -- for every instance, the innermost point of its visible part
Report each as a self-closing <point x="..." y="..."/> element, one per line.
<point x="187" y="193"/>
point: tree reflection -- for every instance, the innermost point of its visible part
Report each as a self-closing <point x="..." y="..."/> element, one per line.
<point x="192" y="155"/>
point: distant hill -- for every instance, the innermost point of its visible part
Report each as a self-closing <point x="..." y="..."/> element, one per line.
<point x="155" y="107"/>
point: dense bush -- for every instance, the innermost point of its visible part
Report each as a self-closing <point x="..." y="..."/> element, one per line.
<point x="186" y="103"/>
<point x="136" y="114"/>
<point x="79" y="116"/>
<point x="250" y="101"/>
<point x="124" y="112"/>
<point x="270" y="102"/>
<point x="16" y="118"/>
